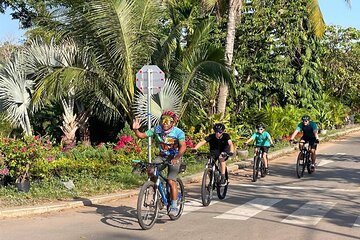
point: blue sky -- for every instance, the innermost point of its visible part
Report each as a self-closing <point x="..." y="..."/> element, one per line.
<point x="335" y="12"/>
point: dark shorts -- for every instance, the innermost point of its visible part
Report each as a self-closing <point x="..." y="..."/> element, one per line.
<point x="264" y="149"/>
<point x="216" y="154"/>
<point x="311" y="141"/>
<point x="173" y="170"/>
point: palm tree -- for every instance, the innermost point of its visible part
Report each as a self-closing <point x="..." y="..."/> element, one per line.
<point x="316" y="18"/>
<point x="15" y="93"/>
<point x="54" y="68"/>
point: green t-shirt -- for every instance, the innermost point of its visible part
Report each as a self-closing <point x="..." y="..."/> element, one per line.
<point x="261" y="139"/>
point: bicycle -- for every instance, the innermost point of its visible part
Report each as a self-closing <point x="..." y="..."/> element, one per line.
<point x="211" y="180"/>
<point x="154" y="194"/>
<point x="259" y="164"/>
<point x="303" y="160"/>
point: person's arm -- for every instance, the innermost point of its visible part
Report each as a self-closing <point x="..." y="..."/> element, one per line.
<point x="199" y="144"/>
<point x="250" y="139"/>
<point x="136" y="126"/>
<point x="316" y="134"/>
<point x="181" y="152"/>
<point x="232" y="149"/>
<point x="297" y="130"/>
<point x="270" y="139"/>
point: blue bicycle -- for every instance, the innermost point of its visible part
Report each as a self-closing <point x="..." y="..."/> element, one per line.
<point x="154" y="194"/>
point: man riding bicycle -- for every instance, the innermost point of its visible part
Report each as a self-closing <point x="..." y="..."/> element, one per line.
<point x="310" y="135"/>
<point x="221" y="147"/>
<point x="263" y="140"/>
<point x="171" y="141"/>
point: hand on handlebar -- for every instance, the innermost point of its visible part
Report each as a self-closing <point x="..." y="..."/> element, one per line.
<point x="194" y="151"/>
<point x="317" y="140"/>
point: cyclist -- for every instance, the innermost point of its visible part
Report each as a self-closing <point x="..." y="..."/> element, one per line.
<point x="310" y="135"/>
<point x="171" y="141"/>
<point x="262" y="140"/>
<point x="221" y="147"/>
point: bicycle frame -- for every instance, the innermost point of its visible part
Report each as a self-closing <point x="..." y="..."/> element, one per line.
<point x="303" y="160"/>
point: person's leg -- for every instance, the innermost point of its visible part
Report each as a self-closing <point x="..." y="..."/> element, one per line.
<point x="266" y="159"/>
<point x="222" y="164"/>
<point x="313" y="146"/>
<point x="173" y="171"/>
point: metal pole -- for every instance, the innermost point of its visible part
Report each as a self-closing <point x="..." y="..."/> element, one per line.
<point x="149" y="92"/>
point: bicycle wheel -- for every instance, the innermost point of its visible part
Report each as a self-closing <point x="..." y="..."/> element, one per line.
<point x="147" y="208"/>
<point x="262" y="168"/>
<point x="256" y="168"/>
<point x="206" y="187"/>
<point x="222" y="190"/>
<point x="308" y="163"/>
<point x="300" y="165"/>
<point x="180" y="199"/>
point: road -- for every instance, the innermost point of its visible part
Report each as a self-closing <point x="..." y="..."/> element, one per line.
<point x="323" y="205"/>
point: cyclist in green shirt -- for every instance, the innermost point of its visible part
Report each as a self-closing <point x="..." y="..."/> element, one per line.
<point x="262" y="140"/>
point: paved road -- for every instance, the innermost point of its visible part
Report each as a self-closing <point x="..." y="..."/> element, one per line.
<point x="324" y="205"/>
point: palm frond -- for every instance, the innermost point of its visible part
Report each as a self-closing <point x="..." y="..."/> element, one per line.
<point x="316" y="18"/>
<point x="169" y="98"/>
<point x="15" y="93"/>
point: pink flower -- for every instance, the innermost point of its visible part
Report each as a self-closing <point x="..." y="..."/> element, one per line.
<point x="37" y="137"/>
<point x="50" y="158"/>
<point x="4" y="171"/>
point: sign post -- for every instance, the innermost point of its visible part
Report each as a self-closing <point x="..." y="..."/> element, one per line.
<point x="149" y="80"/>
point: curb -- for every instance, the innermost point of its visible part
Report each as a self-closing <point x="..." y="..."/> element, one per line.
<point x="56" y="207"/>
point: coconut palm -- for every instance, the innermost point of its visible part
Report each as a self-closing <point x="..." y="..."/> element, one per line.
<point x="15" y="93"/>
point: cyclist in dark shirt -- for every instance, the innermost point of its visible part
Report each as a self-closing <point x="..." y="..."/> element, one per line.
<point x="219" y="143"/>
<point x="310" y="135"/>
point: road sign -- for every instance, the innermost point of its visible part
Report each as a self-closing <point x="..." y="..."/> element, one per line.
<point x="157" y="79"/>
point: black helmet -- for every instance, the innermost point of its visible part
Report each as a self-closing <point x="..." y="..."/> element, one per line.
<point x="305" y="118"/>
<point x="260" y="125"/>
<point x="219" y="127"/>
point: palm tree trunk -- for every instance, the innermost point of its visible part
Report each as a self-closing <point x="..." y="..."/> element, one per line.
<point x="70" y="125"/>
<point x="234" y="13"/>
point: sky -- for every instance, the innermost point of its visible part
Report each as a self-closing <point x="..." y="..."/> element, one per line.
<point x="335" y="12"/>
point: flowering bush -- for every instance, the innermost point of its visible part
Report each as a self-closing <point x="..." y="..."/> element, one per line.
<point x="127" y="143"/>
<point x="4" y="171"/>
<point x="19" y="155"/>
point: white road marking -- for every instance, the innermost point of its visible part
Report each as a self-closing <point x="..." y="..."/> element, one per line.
<point x="357" y="222"/>
<point x="324" y="162"/>
<point x="310" y="213"/>
<point x="297" y="188"/>
<point x="249" y="209"/>
<point x="194" y="205"/>
<point x="341" y="153"/>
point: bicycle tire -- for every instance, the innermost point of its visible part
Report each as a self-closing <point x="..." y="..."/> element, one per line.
<point x="146" y="198"/>
<point x="308" y="164"/>
<point x="222" y="190"/>
<point x="181" y="200"/>
<point x="300" y="165"/>
<point x="262" y="168"/>
<point x="206" y="187"/>
<point x="255" y="168"/>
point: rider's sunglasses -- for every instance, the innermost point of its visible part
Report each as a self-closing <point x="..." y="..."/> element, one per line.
<point x="167" y="120"/>
<point x="219" y="132"/>
<point x="305" y="120"/>
<point x="260" y="129"/>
